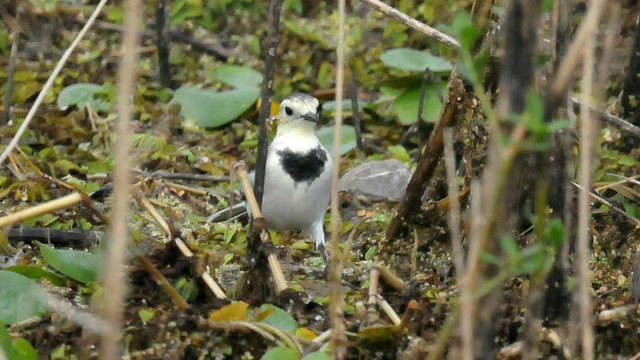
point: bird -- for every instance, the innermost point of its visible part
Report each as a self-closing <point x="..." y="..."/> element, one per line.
<point x="298" y="172"/>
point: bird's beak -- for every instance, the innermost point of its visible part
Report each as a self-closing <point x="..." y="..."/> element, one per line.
<point x="310" y="117"/>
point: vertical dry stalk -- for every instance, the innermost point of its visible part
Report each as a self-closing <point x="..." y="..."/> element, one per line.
<point x="453" y="217"/>
<point x="467" y="302"/>
<point x="273" y="38"/>
<point x="588" y="129"/>
<point x="113" y="272"/>
<point x="338" y="338"/>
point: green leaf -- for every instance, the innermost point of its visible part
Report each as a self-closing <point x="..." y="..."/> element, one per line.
<point x="627" y="160"/>
<point x="34" y="272"/>
<point x="399" y="152"/>
<point x="318" y="355"/>
<point x="464" y="30"/>
<point x="414" y="60"/>
<point x="370" y="252"/>
<point x="280" y="353"/>
<point x="510" y="247"/>
<point x="555" y="232"/>
<point x="145" y="315"/>
<point x="98" y="97"/>
<point x="19" y="349"/>
<point x="236" y="76"/>
<point x="20" y="298"/>
<point x="279" y="318"/>
<point x="78" y="265"/>
<point x="325" y="135"/>
<point x="97" y="167"/>
<point x="406" y="105"/>
<point x="210" y="108"/>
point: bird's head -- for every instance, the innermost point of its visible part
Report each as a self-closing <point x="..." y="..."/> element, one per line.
<point x="298" y="110"/>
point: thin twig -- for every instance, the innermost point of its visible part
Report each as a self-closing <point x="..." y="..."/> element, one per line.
<point x="50" y="81"/>
<point x="10" y="72"/>
<point x="453" y="217"/>
<point x="163" y="42"/>
<point x="273" y="38"/>
<point x="113" y="277"/>
<point x="624" y="125"/>
<point x="568" y="65"/>
<point x="164" y="225"/>
<point x="162" y="281"/>
<point x="588" y="129"/>
<point x="336" y="315"/>
<point x="182" y="176"/>
<point x="611" y="207"/>
<point x="413" y="23"/>
<point x="422" y="127"/>
<point x="50" y="206"/>
<point x="274" y="264"/>
<point x="357" y="121"/>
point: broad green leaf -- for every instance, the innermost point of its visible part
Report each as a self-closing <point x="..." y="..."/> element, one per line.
<point x="19" y="349"/>
<point x="98" y="97"/>
<point x="209" y="108"/>
<point x="627" y="160"/>
<point x="318" y="355"/>
<point x="279" y="318"/>
<point x="280" y="353"/>
<point x="325" y="135"/>
<point x="34" y="272"/>
<point x="406" y="105"/>
<point x="20" y="298"/>
<point x="414" y="60"/>
<point x="237" y="76"/>
<point x="78" y="265"/>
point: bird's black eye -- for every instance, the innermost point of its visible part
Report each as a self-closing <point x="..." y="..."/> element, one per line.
<point x="288" y="110"/>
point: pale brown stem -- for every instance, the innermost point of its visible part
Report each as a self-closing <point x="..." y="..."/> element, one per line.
<point x="113" y="272"/>
<point x="413" y="23"/>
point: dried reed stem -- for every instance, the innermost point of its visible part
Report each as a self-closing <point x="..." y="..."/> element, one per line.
<point x="113" y="274"/>
<point x="588" y="128"/>
<point x="338" y="337"/>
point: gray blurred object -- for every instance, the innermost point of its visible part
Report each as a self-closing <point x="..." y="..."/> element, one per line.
<point x="377" y="180"/>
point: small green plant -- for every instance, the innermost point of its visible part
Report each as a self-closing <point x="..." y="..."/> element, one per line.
<point x="405" y="90"/>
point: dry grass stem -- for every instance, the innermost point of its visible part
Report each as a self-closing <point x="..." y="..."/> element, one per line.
<point x="414" y="24"/>
<point x="48" y="207"/>
<point x="274" y="264"/>
<point x="588" y="128"/>
<point x="113" y="274"/>
<point x="184" y="249"/>
<point x="78" y="316"/>
<point x="387" y="309"/>
<point x="453" y="217"/>
<point x="50" y="81"/>
<point x="178" y="301"/>
<point x="625" y="126"/>
<point x="336" y="301"/>
<point x="570" y="62"/>
<point x="467" y="302"/>
<point x="390" y="278"/>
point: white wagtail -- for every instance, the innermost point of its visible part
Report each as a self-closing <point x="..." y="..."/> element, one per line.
<point x="298" y="172"/>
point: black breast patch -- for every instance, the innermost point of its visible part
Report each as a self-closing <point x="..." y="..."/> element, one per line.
<point x="303" y="166"/>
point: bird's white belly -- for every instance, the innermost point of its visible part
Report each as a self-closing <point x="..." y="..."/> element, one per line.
<point x="288" y="205"/>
